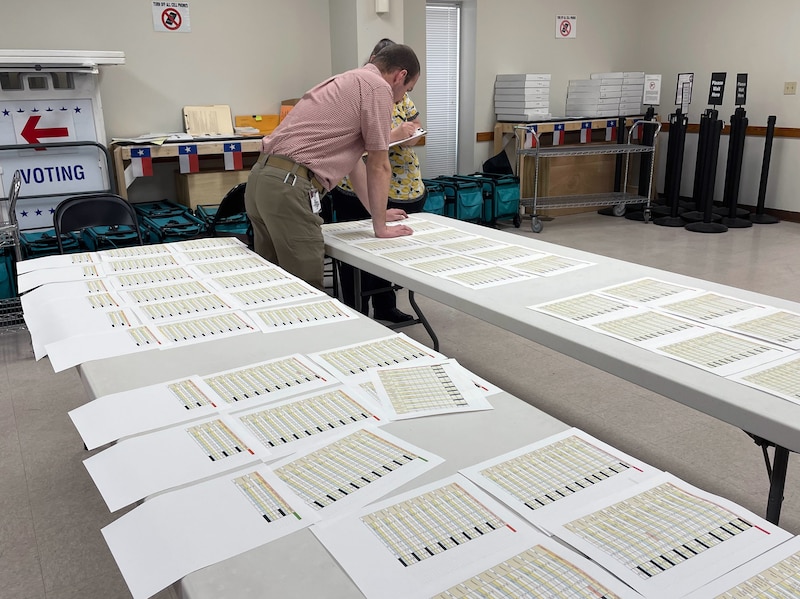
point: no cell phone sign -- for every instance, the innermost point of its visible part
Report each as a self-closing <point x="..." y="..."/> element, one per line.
<point x="566" y="26"/>
<point x="171" y="17"/>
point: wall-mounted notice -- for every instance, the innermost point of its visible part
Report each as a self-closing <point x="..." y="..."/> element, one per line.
<point x="566" y="27"/>
<point x="171" y="17"/>
<point x="652" y="90"/>
<point x="716" y="90"/>
<point x="741" y="89"/>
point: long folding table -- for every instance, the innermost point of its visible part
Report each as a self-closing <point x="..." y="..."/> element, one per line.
<point x="768" y="418"/>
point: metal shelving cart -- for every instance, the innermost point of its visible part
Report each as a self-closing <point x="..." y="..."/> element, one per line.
<point x="617" y="199"/>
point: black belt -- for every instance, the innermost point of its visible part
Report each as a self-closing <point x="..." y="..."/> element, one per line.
<point x="294" y="169"/>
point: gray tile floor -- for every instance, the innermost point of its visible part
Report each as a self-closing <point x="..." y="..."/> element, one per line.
<point x="51" y="514"/>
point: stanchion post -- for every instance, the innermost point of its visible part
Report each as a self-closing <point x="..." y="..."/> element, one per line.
<point x="758" y="217"/>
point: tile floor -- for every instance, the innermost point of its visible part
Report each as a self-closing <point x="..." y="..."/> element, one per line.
<point x="51" y="514"/>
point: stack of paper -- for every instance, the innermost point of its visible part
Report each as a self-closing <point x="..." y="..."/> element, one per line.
<point x="522" y="97"/>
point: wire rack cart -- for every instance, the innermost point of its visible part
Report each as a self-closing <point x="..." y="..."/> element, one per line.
<point x="617" y="199"/>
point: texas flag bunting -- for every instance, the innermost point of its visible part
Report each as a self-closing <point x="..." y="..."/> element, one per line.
<point x="141" y="163"/>
<point x="187" y="156"/>
<point x="233" y="156"/>
<point x="558" y="134"/>
<point x="611" y="130"/>
<point x="530" y="137"/>
<point x="586" y="132"/>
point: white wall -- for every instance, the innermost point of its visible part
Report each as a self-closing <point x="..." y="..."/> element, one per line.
<point x="251" y="54"/>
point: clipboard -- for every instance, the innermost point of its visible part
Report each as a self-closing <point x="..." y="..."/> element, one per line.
<point x="418" y="133"/>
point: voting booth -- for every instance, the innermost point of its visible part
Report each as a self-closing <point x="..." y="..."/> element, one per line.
<point x="51" y="128"/>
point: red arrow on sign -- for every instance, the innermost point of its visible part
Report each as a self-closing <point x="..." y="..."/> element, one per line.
<point x="32" y="135"/>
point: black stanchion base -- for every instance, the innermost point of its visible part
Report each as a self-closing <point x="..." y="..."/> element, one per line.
<point x="702" y="227"/>
<point x="669" y="221"/>
<point x="665" y="210"/>
<point x="696" y="216"/>
<point x="736" y="223"/>
<point x="723" y="211"/>
<point x="609" y="211"/>
<point x="637" y="215"/>
<point x="763" y="219"/>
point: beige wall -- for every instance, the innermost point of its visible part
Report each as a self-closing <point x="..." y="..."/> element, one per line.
<point x="249" y="54"/>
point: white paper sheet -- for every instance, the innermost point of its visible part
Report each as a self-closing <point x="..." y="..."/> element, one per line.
<point x="160" y="293"/>
<point x="112" y="417"/>
<point x="588" y="308"/>
<point x="649" y="328"/>
<point x="228" y="252"/>
<point x="650" y="292"/>
<point x="410" y="255"/>
<point x="549" y="478"/>
<point x="548" y="265"/>
<point x="399" y="547"/>
<point x="206" y="328"/>
<point x="506" y="253"/>
<point x="181" y="308"/>
<point x="775" y="573"/>
<point x="176" y="533"/>
<point x="446" y="264"/>
<point x="351" y="362"/>
<point x="88" y="316"/>
<point x="443" y="236"/>
<point x="270" y="381"/>
<point x="297" y="316"/>
<point x="134" y="251"/>
<point x="486" y="276"/>
<point x="280" y="292"/>
<point x="344" y="472"/>
<point x="289" y="426"/>
<point x="541" y="570"/>
<point x="781" y="378"/>
<point x="666" y="538"/>
<point x="443" y="387"/>
<point x="118" y="266"/>
<point x="780" y="327"/>
<point x="714" y="309"/>
<point x="57" y="261"/>
<point x="153" y="462"/>
<point x="723" y="353"/>
<point x="207" y="269"/>
<point x="251" y="278"/>
<point x="33" y="279"/>
<point x="204" y="243"/>
<point x="146" y="278"/>
<point x="41" y="296"/>
<point x="77" y="350"/>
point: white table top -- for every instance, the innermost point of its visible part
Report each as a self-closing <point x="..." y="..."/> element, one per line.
<point x="757" y="412"/>
<point x="281" y="568"/>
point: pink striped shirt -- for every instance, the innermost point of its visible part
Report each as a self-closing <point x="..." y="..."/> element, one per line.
<point x="335" y="123"/>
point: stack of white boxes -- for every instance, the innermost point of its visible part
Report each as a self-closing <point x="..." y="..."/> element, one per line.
<point x="630" y="102"/>
<point x="595" y="97"/>
<point x="522" y="97"/>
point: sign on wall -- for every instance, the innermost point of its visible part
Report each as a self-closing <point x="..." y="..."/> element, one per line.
<point x="171" y="17"/>
<point x="566" y="27"/>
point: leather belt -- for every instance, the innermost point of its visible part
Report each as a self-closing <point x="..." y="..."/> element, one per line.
<point x="293" y="168"/>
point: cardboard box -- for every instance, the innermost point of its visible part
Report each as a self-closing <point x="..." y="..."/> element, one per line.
<point x="206" y="187"/>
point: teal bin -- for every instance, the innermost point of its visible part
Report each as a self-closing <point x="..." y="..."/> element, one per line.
<point x="463" y="199"/>
<point x="435" y="202"/>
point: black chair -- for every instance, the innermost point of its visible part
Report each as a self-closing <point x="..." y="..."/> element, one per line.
<point x="94" y="210"/>
<point x="231" y="205"/>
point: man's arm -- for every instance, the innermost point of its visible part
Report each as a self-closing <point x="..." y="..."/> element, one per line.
<point x="371" y="181"/>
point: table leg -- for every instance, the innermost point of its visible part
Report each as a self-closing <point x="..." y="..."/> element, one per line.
<point x="780" y="463"/>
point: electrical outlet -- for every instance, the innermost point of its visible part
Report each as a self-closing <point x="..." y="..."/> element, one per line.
<point x="790" y="88"/>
